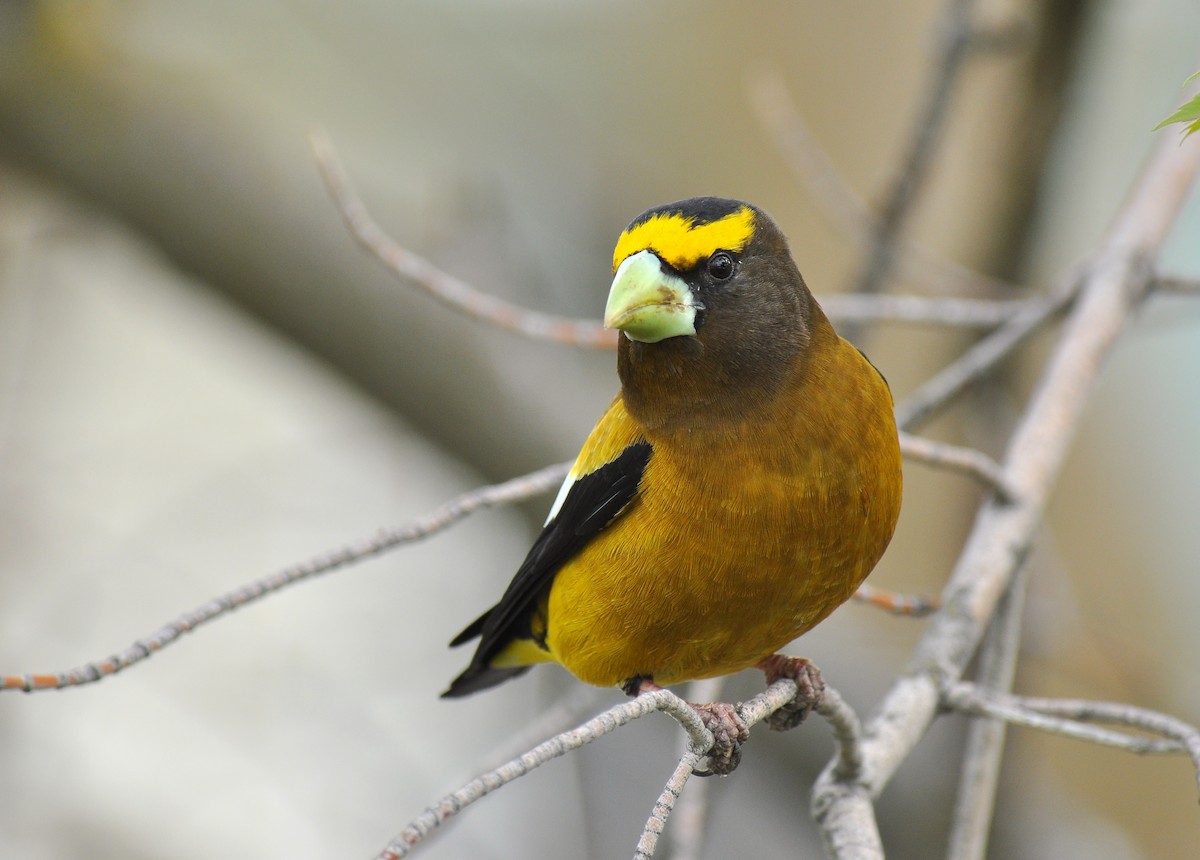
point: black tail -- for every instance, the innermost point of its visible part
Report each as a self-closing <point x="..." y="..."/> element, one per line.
<point x="475" y="678"/>
<point x="475" y="628"/>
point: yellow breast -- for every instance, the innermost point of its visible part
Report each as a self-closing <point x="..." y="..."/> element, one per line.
<point x="738" y="541"/>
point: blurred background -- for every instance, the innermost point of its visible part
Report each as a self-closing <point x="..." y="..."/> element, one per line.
<point x="202" y="379"/>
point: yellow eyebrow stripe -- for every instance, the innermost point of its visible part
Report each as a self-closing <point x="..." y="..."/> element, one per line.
<point x="682" y="243"/>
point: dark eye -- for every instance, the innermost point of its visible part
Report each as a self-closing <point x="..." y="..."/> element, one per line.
<point x="720" y="265"/>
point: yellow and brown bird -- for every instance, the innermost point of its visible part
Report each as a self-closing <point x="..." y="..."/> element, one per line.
<point x="740" y="487"/>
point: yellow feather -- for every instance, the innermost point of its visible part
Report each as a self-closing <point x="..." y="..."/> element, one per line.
<point x="681" y="242"/>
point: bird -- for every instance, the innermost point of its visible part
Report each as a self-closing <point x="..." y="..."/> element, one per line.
<point x="741" y="485"/>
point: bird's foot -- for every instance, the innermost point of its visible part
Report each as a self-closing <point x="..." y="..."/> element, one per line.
<point x="729" y="732"/>
<point x="810" y="689"/>
<point x="722" y="719"/>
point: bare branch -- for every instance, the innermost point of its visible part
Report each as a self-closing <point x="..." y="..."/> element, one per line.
<point x="955" y="31"/>
<point x="497" y="312"/>
<point x="508" y="492"/>
<point x="985" y="739"/>
<point x="442" y="286"/>
<point x="1002" y="37"/>
<point x="450" y="805"/>
<point x="969" y="461"/>
<point x="566" y="711"/>
<point x="688" y="765"/>
<point x="700" y="740"/>
<point x="848" y="829"/>
<point x="1177" y="284"/>
<point x="980" y="359"/>
<point x="841" y="204"/>
<point x="911" y="605"/>
<point x="1002" y="534"/>
<point x="1070" y="717"/>
<point x="847" y="731"/>
<point x="923" y="310"/>
<point x="691" y="810"/>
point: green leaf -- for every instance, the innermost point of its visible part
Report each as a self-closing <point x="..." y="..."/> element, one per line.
<point x="1188" y="112"/>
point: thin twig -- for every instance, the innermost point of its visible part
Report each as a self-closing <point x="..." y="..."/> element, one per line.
<point x="445" y="287"/>
<point x="848" y="212"/>
<point x="1002" y="534"/>
<point x="979" y="360"/>
<point x="953" y="49"/>
<point x="848" y="829"/>
<point x="508" y="492"/>
<point x="980" y="770"/>
<point x="847" y="731"/>
<point x="566" y="710"/>
<point x="495" y="311"/>
<point x="691" y="811"/>
<point x="910" y="605"/>
<point x="700" y="740"/>
<point x="969" y="461"/>
<point x="944" y="311"/>
<point x="1124" y="715"/>
<point x="1070" y="717"/>
<point x="688" y="764"/>
<point x="450" y="805"/>
<point x="1177" y="284"/>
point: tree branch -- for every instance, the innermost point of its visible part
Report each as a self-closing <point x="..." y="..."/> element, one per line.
<point x="1002" y="533"/>
<point x="841" y="204"/>
<point x="508" y="492"/>
<point x="442" y="286"/>
<point x="985" y="739"/>
<point x="1070" y="717"/>
<point x="953" y="49"/>
<point x="969" y="461"/>
<point x="910" y="605"/>
<point x="978" y="361"/>
<point x="452" y="804"/>
<point x="923" y="310"/>
<point x="1177" y="284"/>
<point x="691" y="811"/>
<point x="688" y="764"/>
<point x="700" y="738"/>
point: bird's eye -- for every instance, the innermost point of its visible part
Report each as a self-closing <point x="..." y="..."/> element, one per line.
<point x="720" y="265"/>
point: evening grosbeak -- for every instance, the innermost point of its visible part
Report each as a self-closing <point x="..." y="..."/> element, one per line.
<point x="740" y="487"/>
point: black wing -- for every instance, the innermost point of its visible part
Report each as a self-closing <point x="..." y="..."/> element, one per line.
<point x="592" y="503"/>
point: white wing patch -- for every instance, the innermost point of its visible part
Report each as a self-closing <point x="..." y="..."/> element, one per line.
<point x="567" y="484"/>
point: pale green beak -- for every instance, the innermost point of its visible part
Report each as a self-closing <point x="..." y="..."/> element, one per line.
<point x="649" y="304"/>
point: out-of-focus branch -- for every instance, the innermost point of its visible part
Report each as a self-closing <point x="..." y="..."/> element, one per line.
<point x="969" y="461"/>
<point x="955" y="36"/>
<point x="980" y="771"/>
<point x="908" y="605"/>
<point x="1175" y="284"/>
<point x="1002" y="534"/>
<point x="1071" y="717"/>
<point x="923" y="310"/>
<point x="458" y="294"/>
<point x="940" y="389"/>
<point x="515" y="490"/>
<point x="842" y="205"/>
<point x="508" y="492"/>
<point x="442" y="286"/>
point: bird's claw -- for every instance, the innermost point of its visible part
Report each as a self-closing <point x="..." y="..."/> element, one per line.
<point x="729" y="732"/>
<point x="810" y="689"/>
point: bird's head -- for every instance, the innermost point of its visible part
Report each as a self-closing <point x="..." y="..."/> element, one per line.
<point x="713" y="311"/>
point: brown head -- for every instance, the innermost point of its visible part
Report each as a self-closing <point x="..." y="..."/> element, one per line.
<point x="714" y="315"/>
